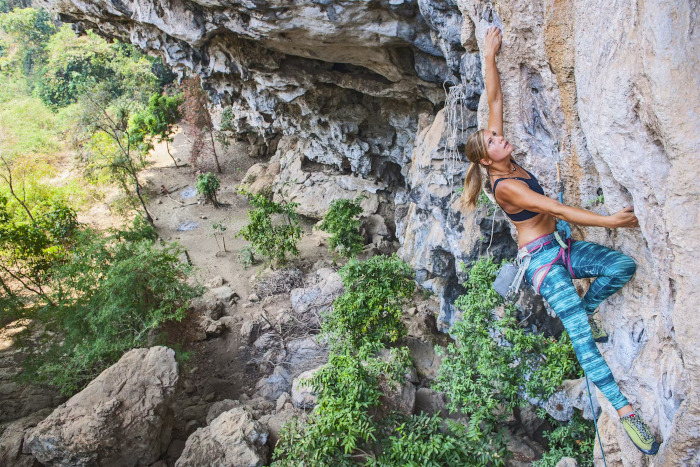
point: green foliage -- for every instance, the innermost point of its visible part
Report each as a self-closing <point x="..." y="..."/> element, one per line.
<point x="600" y="199"/>
<point x="341" y="221"/>
<point x="32" y="241"/>
<point x="246" y="256"/>
<point x="575" y="439"/>
<point x="348" y="426"/>
<point x="107" y="144"/>
<point x="227" y="127"/>
<point x="27" y="128"/>
<point x="220" y="231"/>
<point x="273" y="228"/>
<point x="75" y="64"/>
<point x="156" y="121"/>
<point x="26" y="30"/>
<point x="346" y="418"/>
<point x="102" y="302"/>
<point x="208" y="185"/>
<point x="484" y="200"/>
<point x="371" y="307"/>
<point x="495" y="364"/>
<point x="427" y="441"/>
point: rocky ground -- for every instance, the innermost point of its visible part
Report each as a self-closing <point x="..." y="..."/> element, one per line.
<point x="240" y="351"/>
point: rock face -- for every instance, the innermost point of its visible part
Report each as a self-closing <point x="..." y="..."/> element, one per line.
<point x="347" y="94"/>
<point x="122" y="418"/>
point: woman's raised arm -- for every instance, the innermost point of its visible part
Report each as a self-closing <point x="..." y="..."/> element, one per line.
<point x="492" y="42"/>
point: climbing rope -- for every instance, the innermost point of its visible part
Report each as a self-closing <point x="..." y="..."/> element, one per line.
<point x="595" y="422"/>
<point x="455" y="131"/>
<point x="564" y="230"/>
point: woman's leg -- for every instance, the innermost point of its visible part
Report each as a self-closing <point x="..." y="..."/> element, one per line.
<point x="611" y="268"/>
<point x="561" y="295"/>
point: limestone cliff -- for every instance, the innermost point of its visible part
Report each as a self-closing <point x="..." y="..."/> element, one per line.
<point x="356" y="88"/>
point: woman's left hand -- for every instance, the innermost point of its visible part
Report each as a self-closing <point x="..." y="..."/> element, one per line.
<point x="625" y="218"/>
<point x="492" y="41"/>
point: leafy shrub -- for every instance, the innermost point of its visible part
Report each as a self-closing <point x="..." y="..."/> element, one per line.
<point x="341" y="221"/>
<point x="370" y="309"/>
<point x="103" y="302"/>
<point x="423" y="441"/>
<point x="575" y="439"/>
<point x="271" y="238"/>
<point x="30" y="247"/>
<point x="348" y="427"/>
<point x="495" y="364"/>
<point x="345" y="420"/>
<point x="208" y="185"/>
<point x="246" y="256"/>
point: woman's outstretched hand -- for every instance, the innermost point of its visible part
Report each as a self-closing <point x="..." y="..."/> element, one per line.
<point x="625" y="218"/>
<point x="492" y="41"/>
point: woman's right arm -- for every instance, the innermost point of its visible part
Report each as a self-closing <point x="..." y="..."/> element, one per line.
<point x="492" y="42"/>
<point x="519" y="194"/>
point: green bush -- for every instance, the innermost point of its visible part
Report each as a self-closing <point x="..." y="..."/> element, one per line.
<point x="575" y="439"/>
<point x="370" y="309"/>
<point x="31" y="247"/>
<point x="273" y="228"/>
<point x="103" y="302"/>
<point x="495" y="365"/>
<point x="341" y="221"/>
<point x="208" y="185"/>
<point x="348" y="426"/>
<point x="427" y="441"/>
<point x="345" y="420"/>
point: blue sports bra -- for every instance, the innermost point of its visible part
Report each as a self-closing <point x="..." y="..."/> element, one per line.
<point x="534" y="186"/>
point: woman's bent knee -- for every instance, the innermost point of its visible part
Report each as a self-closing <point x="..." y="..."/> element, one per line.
<point x="625" y="267"/>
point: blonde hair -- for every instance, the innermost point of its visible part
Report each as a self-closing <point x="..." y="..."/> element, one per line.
<point x="475" y="151"/>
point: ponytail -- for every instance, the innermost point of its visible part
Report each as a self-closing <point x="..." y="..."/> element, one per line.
<point x="472" y="187"/>
<point x="475" y="150"/>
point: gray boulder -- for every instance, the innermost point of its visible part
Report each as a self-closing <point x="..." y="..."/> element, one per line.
<point x="233" y="439"/>
<point x="431" y="402"/>
<point x="274" y="385"/>
<point x="12" y="439"/>
<point x="426" y="361"/>
<point x="567" y="462"/>
<point x="122" y="418"/>
<point x="303" y="395"/>
<point x="319" y="297"/>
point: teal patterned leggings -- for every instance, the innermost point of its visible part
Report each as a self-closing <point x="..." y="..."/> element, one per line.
<point x="553" y="269"/>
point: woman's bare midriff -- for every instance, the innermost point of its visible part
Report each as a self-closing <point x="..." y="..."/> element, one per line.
<point x="529" y="230"/>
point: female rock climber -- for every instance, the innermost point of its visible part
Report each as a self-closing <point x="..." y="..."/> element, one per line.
<point x="552" y="261"/>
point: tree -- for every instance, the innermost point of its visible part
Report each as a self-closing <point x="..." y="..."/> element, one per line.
<point x="158" y="120"/>
<point x="36" y="230"/>
<point x="199" y="126"/>
<point x="103" y="302"/>
<point x="26" y="32"/>
<point x="109" y="145"/>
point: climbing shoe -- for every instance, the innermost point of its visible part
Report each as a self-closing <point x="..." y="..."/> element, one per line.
<point x="599" y="334"/>
<point x="640" y="434"/>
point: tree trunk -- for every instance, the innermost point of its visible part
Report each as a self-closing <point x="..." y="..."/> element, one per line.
<point x="167" y="147"/>
<point x="213" y="148"/>
<point x="143" y="203"/>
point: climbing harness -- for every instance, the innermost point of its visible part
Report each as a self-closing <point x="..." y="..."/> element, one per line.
<point x="513" y="274"/>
